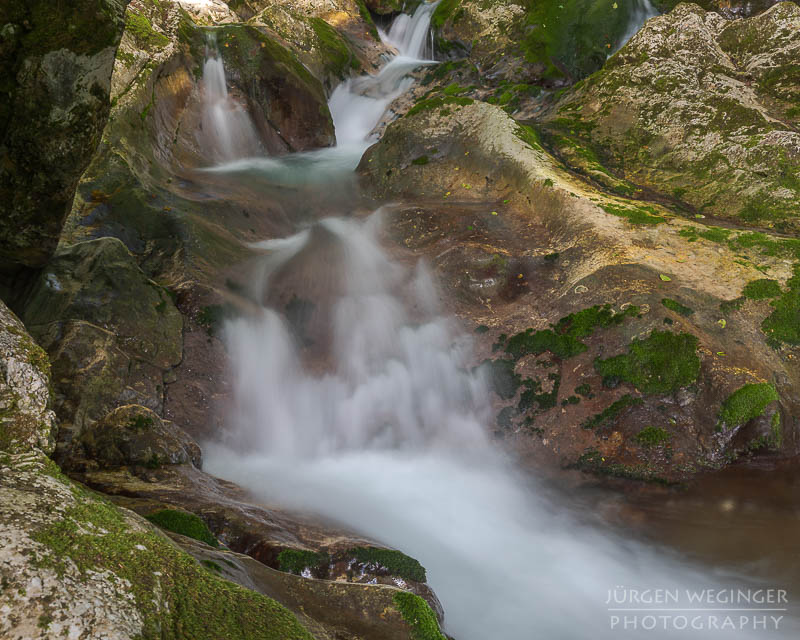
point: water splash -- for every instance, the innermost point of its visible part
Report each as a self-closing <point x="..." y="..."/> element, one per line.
<point x="227" y="132"/>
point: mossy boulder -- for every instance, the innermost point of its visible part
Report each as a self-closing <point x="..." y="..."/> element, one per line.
<point x="700" y="109"/>
<point x="54" y="88"/>
<point x="550" y="42"/>
<point x="100" y="570"/>
<point x="133" y="435"/>
<point x="287" y="102"/>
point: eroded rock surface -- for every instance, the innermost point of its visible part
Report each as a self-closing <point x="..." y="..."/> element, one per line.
<point x="647" y="333"/>
<point x="699" y="109"/>
<point x="55" y="82"/>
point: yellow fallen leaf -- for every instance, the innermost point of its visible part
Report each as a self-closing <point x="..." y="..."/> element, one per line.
<point x="665" y="278"/>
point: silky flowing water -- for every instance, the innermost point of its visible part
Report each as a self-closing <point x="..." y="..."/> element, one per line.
<point x="366" y="411"/>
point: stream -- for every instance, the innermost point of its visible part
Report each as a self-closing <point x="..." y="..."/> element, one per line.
<point x="383" y="427"/>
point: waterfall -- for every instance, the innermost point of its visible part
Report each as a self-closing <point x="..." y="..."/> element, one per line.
<point x="409" y="34"/>
<point x="227" y="132"/>
<point x="358" y="104"/>
<point x="354" y="400"/>
<point x="641" y="12"/>
<point x="389" y="438"/>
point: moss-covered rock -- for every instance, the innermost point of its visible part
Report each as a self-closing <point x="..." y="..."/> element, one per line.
<point x="101" y="570"/>
<point x="549" y="42"/>
<point x="700" y="109"/>
<point x="54" y="88"/>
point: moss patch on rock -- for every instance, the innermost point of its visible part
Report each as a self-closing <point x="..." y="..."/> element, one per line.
<point x="746" y="403"/>
<point x="662" y="363"/>
<point x="298" y="561"/>
<point x="393" y="562"/>
<point x="564" y="340"/>
<point x="184" y="523"/>
<point x="419" y="616"/>
<point x="176" y="597"/>
<point x="783" y="324"/>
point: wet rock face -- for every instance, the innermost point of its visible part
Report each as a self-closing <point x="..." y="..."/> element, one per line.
<point x="54" y="88"/>
<point x="110" y="331"/>
<point x="700" y="109"/>
<point x="654" y="357"/>
<point x="286" y="101"/>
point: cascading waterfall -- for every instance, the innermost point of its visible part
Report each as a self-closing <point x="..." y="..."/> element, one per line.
<point x="357" y="106"/>
<point x="227" y="132"/>
<point x="410" y="34"/>
<point x="365" y="411"/>
<point x="391" y="441"/>
<point x="641" y="12"/>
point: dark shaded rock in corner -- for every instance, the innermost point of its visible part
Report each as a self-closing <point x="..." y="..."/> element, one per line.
<point x="54" y="86"/>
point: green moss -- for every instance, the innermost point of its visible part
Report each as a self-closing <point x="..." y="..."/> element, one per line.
<point x="394" y="562"/>
<point x="653" y="436"/>
<point x="529" y="136"/>
<point x="140" y="27"/>
<point x="712" y="234"/>
<point x="637" y="215"/>
<point x="677" y="307"/>
<point x="140" y="423"/>
<point x="611" y="413"/>
<point x="584" y="390"/>
<point x="175" y="596"/>
<point x="762" y="289"/>
<point x="783" y="324"/>
<point x="299" y="560"/>
<point x="443" y="12"/>
<point x="534" y="395"/>
<point x="564" y="339"/>
<point x="572" y="37"/>
<point x="421" y="161"/>
<point x="185" y="523"/>
<point x="662" y="363"/>
<point x="211" y="566"/>
<point x="419" y="616"/>
<point x="592" y="461"/>
<point x="746" y="403"/>
<point x="366" y="16"/>
<point x="338" y="57"/>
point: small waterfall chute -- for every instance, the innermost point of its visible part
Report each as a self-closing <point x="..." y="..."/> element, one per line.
<point x="227" y="131"/>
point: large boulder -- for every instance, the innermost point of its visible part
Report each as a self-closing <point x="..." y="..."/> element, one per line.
<point x="700" y="109"/>
<point x="657" y="354"/>
<point x="553" y="42"/>
<point x="111" y="332"/>
<point x="54" y="88"/>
